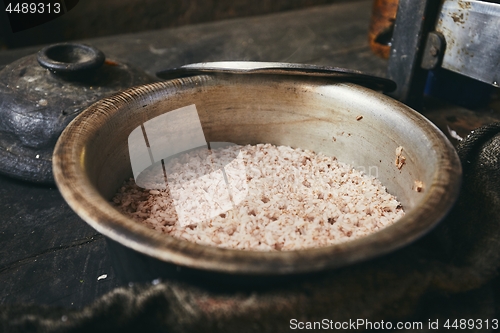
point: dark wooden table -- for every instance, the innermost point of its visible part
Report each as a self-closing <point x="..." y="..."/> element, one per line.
<point x="50" y="256"/>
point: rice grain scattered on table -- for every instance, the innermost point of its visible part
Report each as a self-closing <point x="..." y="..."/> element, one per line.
<point x="261" y="197"/>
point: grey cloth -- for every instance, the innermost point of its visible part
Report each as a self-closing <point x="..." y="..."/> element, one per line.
<point x="451" y="273"/>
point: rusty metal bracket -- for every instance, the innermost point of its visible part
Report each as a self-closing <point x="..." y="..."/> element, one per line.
<point x="414" y="20"/>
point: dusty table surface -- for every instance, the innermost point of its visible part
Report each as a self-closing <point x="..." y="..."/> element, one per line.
<point x="50" y="256"/>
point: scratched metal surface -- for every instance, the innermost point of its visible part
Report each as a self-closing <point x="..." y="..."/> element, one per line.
<point x="471" y="30"/>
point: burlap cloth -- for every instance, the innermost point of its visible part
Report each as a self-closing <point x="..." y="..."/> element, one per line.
<point x="449" y="274"/>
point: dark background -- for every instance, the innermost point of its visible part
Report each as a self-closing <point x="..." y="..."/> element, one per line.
<point x="97" y="18"/>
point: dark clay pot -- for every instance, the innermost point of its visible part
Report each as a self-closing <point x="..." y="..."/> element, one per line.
<point x="41" y="93"/>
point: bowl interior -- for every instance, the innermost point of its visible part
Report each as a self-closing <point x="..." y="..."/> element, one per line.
<point x="356" y="125"/>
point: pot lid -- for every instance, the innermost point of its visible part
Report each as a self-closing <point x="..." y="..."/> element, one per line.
<point x="41" y="93"/>
<point x="280" y="68"/>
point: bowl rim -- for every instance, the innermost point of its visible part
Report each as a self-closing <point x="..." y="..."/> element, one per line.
<point x="94" y="209"/>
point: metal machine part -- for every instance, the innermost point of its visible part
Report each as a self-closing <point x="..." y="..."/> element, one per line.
<point x="461" y="36"/>
<point x="413" y="21"/>
<point x="433" y="52"/>
<point x="472" y="33"/>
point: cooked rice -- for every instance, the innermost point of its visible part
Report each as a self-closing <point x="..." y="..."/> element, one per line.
<point x="291" y="199"/>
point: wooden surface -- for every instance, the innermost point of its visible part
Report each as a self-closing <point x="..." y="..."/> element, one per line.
<point x="48" y="255"/>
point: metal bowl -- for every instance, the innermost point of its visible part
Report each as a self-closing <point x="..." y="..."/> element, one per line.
<point x="91" y="160"/>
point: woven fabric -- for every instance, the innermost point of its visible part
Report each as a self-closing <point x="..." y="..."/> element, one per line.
<point x="449" y="274"/>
